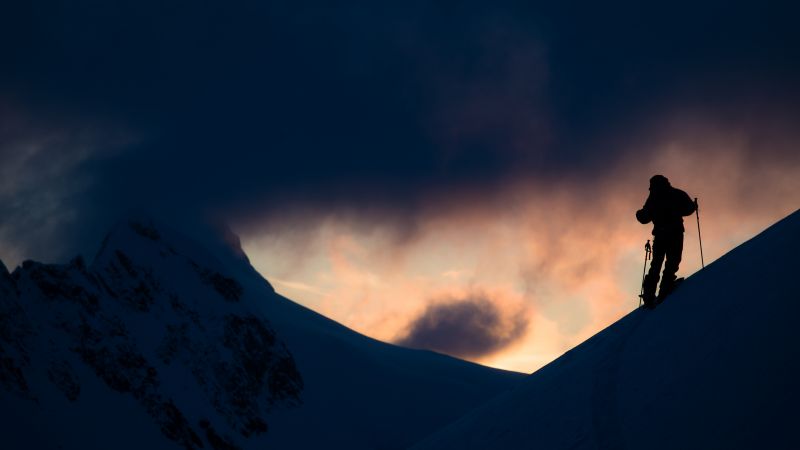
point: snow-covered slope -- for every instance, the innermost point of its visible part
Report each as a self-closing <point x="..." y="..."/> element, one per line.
<point x="165" y="343"/>
<point x="717" y="366"/>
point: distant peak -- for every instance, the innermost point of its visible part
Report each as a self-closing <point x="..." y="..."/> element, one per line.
<point x="233" y="241"/>
<point x="211" y="243"/>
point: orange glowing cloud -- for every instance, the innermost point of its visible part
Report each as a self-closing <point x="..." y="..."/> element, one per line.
<point x="564" y="254"/>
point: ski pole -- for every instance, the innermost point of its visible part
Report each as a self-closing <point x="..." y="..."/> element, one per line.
<point x="647" y="252"/>
<point x="699" y="237"/>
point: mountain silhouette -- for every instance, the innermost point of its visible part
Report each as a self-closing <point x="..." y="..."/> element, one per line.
<point x="171" y="339"/>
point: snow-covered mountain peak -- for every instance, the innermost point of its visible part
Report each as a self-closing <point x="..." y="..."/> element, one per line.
<point x="170" y="339"/>
<point x="212" y="245"/>
<point x="135" y="250"/>
<point x="158" y="324"/>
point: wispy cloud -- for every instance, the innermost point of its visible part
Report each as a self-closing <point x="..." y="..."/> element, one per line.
<point x="298" y="286"/>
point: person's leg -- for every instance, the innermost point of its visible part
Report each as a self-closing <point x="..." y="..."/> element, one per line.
<point x="673" y="251"/>
<point x="651" y="280"/>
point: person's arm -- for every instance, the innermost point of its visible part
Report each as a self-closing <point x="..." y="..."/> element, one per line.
<point x="688" y="206"/>
<point x="645" y="215"/>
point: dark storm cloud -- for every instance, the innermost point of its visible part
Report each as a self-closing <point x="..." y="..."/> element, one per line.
<point x="468" y="327"/>
<point x="43" y="180"/>
<point x="246" y="107"/>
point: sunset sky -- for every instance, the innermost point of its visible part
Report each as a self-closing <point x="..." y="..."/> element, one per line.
<point x="452" y="175"/>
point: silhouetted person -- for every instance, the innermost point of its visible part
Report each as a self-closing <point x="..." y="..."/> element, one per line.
<point x="665" y="207"/>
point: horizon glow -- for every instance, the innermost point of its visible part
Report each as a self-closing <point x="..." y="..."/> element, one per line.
<point x="567" y="256"/>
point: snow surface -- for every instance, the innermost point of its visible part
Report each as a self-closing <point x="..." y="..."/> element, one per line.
<point x="717" y="366"/>
<point x="172" y="340"/>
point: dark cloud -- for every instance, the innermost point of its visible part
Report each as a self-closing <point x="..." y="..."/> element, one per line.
<point x="468" y="327"/>
<point x="249" y="108"/>
<point x="44" y="177"/>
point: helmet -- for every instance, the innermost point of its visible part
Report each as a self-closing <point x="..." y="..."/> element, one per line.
<point x="658" y="182"/>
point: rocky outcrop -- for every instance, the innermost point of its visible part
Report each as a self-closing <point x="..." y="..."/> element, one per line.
<point x="151" y="323"/>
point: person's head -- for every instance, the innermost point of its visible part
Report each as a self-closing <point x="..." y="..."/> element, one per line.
<point x="658" y="183"/>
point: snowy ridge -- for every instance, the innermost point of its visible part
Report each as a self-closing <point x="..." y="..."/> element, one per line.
<point x="166" y="342"/>
<point x="715" y="366"/>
